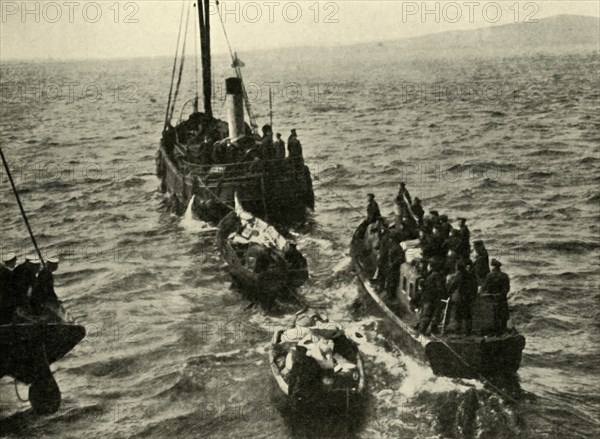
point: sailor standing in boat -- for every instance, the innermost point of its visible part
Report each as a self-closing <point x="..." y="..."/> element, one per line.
<point x="266" y="144"/>
<point x="435" y="217"/>
<point x="403" y="194"/>
<point x="42" y="291"/>
<point x="403" y="201"/>
<point x="24" y="276"/>
<point x="294" y="147"/>
<point x="497" y="283"/>
<point x="454" y="242"/>
<point x="6" y="275"/>
<point x="434" y="290"/>
<point x="481" y="262"/>
<point x="373" y="213"/>
<point x="462" y="289"/>
<point x="418" y="210"/>
<point x="279" y="148"/>
<point x="445" y="226"/>
<point x="464" y="250"/>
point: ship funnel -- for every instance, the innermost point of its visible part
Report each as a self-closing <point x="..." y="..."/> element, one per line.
<point x="235" y="107"/>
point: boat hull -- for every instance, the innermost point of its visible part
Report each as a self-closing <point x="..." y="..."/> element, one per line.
<point x="342" y="400"/>
<point x="271" y="283"/>
<point x="24" y="346"/>
<point x="452" y="356"/>
<point x="283" y="194"/>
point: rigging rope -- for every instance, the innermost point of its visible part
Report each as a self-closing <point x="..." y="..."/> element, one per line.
<point x="23" y="214"/>
<point x="167" y="116"/>
<point x="187" y="22"/>
<point x="214" y="195"/>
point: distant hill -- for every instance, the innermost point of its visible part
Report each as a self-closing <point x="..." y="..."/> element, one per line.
<point x="547" y="33"/>
<point x="553" y="35"/>
<point x="562" y="34"/>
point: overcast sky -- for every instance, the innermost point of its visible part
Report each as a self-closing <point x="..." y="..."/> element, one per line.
<point x="110" y="29"/>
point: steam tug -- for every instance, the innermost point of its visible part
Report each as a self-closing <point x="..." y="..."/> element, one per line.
<point x="278" y="189"/>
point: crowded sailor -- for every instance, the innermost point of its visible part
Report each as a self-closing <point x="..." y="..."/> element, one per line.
<point x="27" y="289"/>
<point x="449" y="281"/>
<point x="200" y="146"/>
<point x="373" y="213"/>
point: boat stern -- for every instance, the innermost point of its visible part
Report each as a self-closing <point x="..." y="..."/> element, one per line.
<point x="474" y="357"/>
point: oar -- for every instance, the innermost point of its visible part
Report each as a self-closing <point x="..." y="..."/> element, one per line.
<point x="447" y="301"/>
<point x="14" y="188"/>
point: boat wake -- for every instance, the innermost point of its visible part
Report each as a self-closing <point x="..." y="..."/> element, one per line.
<point x="193" y="225"/>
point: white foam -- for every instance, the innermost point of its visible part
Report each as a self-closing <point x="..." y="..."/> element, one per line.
<point x="343" y="266"/>
<point x="420" y="378"/>
<point x="416" y="377"/>
<point x="193" y="225"/>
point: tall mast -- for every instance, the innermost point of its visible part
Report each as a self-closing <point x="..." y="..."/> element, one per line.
<point x="204" y="21"/>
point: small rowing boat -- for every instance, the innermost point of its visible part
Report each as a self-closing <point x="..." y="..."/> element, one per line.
<point x="316" y="366"/>
<point x="258" y="257"/>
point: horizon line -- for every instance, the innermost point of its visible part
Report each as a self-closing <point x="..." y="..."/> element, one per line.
<point x="300" y="46"/>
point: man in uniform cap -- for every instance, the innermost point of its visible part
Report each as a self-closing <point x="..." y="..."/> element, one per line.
<point x="295" y="148"/>
<point x="465" y="236"/>
<point x="438" y="243"/>
<point x="24" y="276"/>
<point x="497" y="283"/>
<point x="445" y="227"/>
<point x="434" y="290"/>
<point x="373" y="213"/>
<point x="6" y="279"/>
<point x="266" y="143"/>
<point x="462" y="288"/>
<point x="427" y="226"/>
<point x="453" y="242"/>
<point x="402" y="194"/>
<point x="418" y="210"/>
<point x="42" y="291"/>
<point x="279" y="147"/>
<point x="481" y="262"/>
<point x="435" y="217"/>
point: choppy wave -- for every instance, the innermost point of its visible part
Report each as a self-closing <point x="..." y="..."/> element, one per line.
<point x="159" y="306"/>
